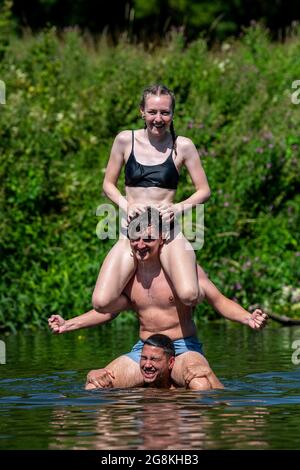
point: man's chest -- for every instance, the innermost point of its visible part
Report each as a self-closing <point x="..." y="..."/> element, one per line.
<point x="145" y="292"/>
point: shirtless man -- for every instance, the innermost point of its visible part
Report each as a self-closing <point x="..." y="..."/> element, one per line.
<point x="151" y="295"/>
<point x="156" y="363"/>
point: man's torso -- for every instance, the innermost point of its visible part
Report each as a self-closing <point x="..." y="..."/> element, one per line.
<point x="159" y="310"/>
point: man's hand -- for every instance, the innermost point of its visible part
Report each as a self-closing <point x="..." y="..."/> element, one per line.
<point x="258" y="319"/>
<point x="194" y="371"/>
<point x="56" y="324"/>
<point x="100" y="378"/>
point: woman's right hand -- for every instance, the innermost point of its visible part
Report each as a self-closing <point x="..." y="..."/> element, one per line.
<point x="56" y="324"/>
<point x="167" y="212"/>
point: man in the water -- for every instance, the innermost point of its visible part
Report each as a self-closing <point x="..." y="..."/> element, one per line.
<point x="151" y="295"/>
<point x="156" y="364"/>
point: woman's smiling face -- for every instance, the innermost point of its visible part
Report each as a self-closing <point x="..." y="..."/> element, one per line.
<point x="158" y="113"/>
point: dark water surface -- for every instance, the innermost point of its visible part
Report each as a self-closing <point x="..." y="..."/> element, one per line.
<point x="44" y="406"/>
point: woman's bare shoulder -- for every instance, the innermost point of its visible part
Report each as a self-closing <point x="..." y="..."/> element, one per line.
<point x="184" y="142"/>
<point x="185" y="146"/>
<point x="124" y="137"/>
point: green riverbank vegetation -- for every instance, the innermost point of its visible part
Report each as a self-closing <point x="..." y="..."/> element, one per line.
<point x="66" y="99"/>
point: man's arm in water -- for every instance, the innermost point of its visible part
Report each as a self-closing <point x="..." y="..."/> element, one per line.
<point x="91" y="318"/>
<point x="228" y="308"/>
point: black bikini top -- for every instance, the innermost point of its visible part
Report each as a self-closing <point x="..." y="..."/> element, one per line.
<point x="163" y="175"/>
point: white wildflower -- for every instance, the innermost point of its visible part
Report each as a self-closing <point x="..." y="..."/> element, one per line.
<point x="21" y="75"/>
<point x="93" y="139"/>
<point x="226" y="46"/>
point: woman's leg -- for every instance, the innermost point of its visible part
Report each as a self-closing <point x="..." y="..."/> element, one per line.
<point x="179" y="262"/>
<point x="126" y="374"/>
<point x="117" y="269"/>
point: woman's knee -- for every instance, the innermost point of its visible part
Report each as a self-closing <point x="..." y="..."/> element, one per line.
<point x="189" y="295"/>
<point x="101" y="300"/>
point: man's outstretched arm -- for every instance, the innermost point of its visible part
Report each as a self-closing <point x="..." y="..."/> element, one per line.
<point x="59" y="325"/>
<point x="91" y="318"/>
<point x="228" y="308"/>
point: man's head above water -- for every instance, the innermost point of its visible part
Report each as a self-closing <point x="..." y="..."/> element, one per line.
<point x="157" y="361"/>
<point x="145" y="234"/>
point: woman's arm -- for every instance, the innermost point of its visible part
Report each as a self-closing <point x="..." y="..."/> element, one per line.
<point x="193" y="164"/>
<point x="113" y="170"/>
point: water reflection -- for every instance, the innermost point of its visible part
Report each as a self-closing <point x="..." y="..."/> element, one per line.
<point x="244" y="430"/>
<point x="160" y="426"/>
<point x="139" y="419"/>
<point x="159" y="420"/>
<point x="246" y="415"/>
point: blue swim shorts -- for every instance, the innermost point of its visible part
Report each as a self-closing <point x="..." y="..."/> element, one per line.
<point x="190" y="343"/>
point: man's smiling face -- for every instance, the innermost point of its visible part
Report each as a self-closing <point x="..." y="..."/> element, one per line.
<point x="156" y="366"/>
<point x="146" y="245"/>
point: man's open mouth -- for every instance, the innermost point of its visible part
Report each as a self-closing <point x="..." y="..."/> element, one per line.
<point x="143" y="252"/>
<point x="149" y="374"/>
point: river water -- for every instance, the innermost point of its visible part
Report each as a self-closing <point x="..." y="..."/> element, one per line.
<point x="44" y="405"/>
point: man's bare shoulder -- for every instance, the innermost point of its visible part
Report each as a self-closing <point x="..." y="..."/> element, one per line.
<point x="211" y="292"/>
<point x="201" y="273"/>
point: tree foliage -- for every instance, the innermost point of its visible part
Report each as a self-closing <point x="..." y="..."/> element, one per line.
<point x="149" y="20"/>
<point x="66" y="100"/>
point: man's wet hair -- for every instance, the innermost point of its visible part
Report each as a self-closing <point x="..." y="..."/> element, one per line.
<point x="139" y="224"/>
<point x="161" y="341"/>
